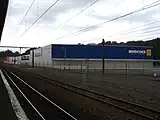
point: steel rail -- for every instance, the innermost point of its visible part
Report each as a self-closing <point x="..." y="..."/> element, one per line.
<point x="92" y="95"/>
<point x="25" y="96"/>
<point x="64" y="111"/>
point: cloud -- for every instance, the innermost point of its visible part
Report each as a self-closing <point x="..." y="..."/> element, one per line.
<point x="43" y="31"/>
<point x="18" y="9"/>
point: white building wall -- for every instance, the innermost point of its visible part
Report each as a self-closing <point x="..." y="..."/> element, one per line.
<point x="25" y="61"/>
<point x="11" y="60"/>
<point x="42" y="56"/>
<point x="18" y="60"/>
<point x="97" y="64"/>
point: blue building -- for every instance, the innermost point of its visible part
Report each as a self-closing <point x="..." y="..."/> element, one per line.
<point x="82" y="56"/>
<point x="95" y="52"/>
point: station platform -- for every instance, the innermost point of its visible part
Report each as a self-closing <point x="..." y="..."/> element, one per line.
<point x="6" y="110"/>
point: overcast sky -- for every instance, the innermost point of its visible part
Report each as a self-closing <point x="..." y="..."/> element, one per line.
<point x="46" y="30"/>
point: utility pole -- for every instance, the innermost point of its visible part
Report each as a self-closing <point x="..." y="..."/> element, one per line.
<point x="103" y="65"/>
<point x="20" y="50"/>
<point x="33" y="58"/>
<point x="65" y="53"/>
<point x="14" y="60"/>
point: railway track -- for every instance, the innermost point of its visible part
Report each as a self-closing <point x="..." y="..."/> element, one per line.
<point x="37" y="106"/>
<point x="130" y="107"/>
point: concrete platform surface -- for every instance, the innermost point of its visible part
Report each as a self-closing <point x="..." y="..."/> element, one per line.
<point x="6" y="110"/>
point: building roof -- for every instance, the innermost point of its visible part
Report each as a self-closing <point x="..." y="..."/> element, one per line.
<point x="3" y="11"/>
<point x="104" y="45"/>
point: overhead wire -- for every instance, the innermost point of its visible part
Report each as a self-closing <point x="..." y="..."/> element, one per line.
<point x="143" y="37"/>
<point x="144" y="30"/>
<point x="24" y="16"/>
<point x="128" y="31"/>
<point x="147" y="38"/>
<point x="125" y="15"/>
<point x="134" y="28"/>
<point x="150" y="33"/>
<point x="39" y="18"/>
<point x="81" y="11"/>
<point x="141" y="30"/>
<point x="116" y="18"/>
<point x="137" y="37"/>
<point x="141" y="34"/>
<point x="145" y="33"/>
<point x="153" y="3"/>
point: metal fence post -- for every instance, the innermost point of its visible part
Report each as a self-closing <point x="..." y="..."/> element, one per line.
<point x="126" y="79"/>
<point x="52" y="63"/>
<point x="43" y="63"/>
<point x="69" y="67"/>
<point x="143" y="67"/>
<point x="81" y="68"/>
<point x="88" y="67"/>
<point x="87" y="70"/>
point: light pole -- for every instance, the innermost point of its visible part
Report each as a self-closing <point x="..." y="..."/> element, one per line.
<point x="65" y="52"/>
<point x="103" y="65"/>
<point x="32" y="58"/>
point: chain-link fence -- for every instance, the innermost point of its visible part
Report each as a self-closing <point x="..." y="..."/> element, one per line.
<point x="133" y="80"/>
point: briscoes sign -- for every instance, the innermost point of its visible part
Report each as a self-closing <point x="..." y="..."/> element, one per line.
<point x="137" y="52"/>
<point x="147" y="52"/>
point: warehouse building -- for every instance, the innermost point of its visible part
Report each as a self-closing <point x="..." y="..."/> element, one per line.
<point x="90" y="56"/>
<point x="23" y="59"/>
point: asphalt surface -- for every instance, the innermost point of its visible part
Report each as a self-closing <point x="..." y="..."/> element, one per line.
<point x="42" y="105"/>
<point x="6" y="110"/>
<point x="141" y="88"/>
<point x="80" y="106"/>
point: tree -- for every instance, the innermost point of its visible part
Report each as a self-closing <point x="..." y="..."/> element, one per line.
<point x="108" y="43"/>
<point x="16" y="53"/>
<point x="8" y="53"/>
<point x="28" y="51"/>
<point x="155" y="43"/>
<point x="114" y="43"/>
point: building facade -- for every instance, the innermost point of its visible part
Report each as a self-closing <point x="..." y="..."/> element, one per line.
<point x="90" y="56"/>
